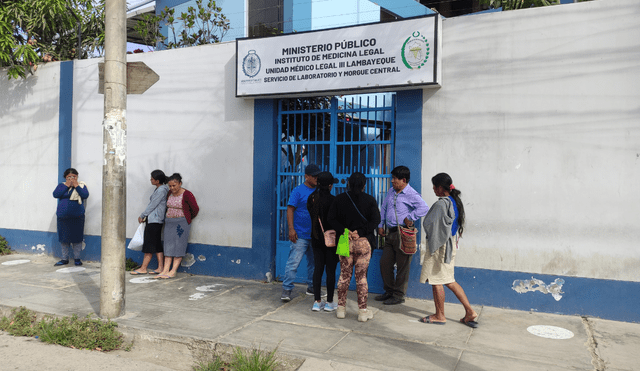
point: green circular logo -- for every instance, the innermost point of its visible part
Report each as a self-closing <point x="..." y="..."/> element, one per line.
<point x="415" y="51"/>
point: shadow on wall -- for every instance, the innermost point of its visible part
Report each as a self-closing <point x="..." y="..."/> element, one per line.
<point x="235" y="109"/>
<point x="14" y="93"/>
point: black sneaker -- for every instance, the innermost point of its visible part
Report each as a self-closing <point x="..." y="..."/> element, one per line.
<point x="61" y="262"/>
<point x="286" y="295"/>
<point x="383" y="297"/>
<point x="78" y="262"/>
<point x="393" y="300"/>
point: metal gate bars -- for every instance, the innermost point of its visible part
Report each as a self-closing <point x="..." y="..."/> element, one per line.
<point x="353" y="133"/>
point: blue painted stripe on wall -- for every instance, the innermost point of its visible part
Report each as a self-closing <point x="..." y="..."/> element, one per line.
<point x="221" y="261"/>
<point x="608" y="299"/>
<point x="408" y="152"/>
<point x="65" y="118"/>
<point x="29" y="241"/>
<point x="265" y="150"/>
<point x="210" y="260"/>
<point x="408" y="143"/>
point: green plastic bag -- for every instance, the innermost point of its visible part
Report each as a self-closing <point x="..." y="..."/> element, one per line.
<point x="343" y="244"/>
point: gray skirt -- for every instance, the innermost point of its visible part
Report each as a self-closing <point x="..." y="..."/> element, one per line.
<point x="176" y="236"/>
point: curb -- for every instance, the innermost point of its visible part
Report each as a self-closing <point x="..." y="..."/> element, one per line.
<point x="185" y="351"/>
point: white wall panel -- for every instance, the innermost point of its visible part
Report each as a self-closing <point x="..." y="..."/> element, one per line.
<point x="29" y="149"/>
<point x="538" y="123"/>
<point x="188" y="122"/>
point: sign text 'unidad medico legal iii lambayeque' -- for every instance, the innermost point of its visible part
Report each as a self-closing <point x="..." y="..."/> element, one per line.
<point x="333" y="58"/>
<point x="375" y="56"/>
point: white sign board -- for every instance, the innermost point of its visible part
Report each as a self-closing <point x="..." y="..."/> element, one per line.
<point x="394" y="55"/>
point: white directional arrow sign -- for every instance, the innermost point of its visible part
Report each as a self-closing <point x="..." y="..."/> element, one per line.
<point x="139" y="77"/>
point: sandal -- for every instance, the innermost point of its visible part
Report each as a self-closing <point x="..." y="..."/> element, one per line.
<point x="473" y="323"/>
<point x="135" y="273"/>
<point x="427" y="319"/>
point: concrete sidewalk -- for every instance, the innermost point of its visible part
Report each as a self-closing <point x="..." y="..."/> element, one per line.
<point x="173" y="321"/>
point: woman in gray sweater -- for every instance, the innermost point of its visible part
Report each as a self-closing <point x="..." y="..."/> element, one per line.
<point x="154" y="216"/>
<point x="443" y="226"/>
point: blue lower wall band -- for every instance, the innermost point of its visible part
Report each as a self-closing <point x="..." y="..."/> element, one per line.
<point x="210" y="260"/>
<point x="607" y="299"/>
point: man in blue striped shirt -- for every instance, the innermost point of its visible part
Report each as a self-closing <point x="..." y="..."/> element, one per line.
<point x="403" y="206"/>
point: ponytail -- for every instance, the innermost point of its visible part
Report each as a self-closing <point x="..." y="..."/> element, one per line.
<point x="444" y="180"/>
<point x="456" y="196"/>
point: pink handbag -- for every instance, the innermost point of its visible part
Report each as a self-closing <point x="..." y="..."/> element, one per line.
<point x="329" y="236"/>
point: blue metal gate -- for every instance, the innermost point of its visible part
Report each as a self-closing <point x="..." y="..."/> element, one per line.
<point x="341" y="135"/>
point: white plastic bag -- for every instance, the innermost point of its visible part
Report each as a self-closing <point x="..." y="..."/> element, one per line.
<point x="138" y="239"/>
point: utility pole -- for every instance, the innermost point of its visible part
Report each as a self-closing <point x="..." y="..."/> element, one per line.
<point x="114" y="137"/>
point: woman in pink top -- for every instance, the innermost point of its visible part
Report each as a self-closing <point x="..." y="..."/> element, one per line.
<point x="181" y="209"/>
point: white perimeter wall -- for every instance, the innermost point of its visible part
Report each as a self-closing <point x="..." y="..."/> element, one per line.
<point x="29" y="149"/>
<point x="188" y="122"/>
<point x="538" y="123"/>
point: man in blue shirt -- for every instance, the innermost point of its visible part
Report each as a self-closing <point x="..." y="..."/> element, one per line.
<point x="299" y="222"/>
<point x="403" y="206"/>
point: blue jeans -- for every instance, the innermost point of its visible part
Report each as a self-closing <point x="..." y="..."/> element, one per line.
<point x="297" y="251"/>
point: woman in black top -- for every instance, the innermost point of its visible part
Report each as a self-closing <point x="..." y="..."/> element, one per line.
<point x="359" y="213"/>
<point x="318" y="205"/>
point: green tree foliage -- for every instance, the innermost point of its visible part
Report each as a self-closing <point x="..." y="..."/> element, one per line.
<point x="518" y="4"/>
<point x="4" y="246"/>
<point x="261" y="30"/>
<point x="34" y="31"/>
<point x="204" y="24"/>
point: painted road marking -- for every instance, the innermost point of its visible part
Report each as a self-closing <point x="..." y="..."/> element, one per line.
<point x="550" y="332"/>
<point x="214" y="287"/>
<point x="16" y="262"/>
<point x="71" y="270"/>
<point x="142" y="280"/>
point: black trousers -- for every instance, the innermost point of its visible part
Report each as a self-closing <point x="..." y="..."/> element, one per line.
<point x="324" y="257"/>
<point x="152" y="239"/>
<point x="391" y="254"/>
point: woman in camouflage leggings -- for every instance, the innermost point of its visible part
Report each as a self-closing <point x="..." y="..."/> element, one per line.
<point x="358" y="212"/>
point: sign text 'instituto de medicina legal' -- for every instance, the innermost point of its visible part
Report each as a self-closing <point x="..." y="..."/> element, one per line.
<point x="384" y="56"/>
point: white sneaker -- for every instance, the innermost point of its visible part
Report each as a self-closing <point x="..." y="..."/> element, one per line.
<point x="364" y="315"/>
<point x="317" y="306"/>
<point x="341" y="312"/>
<point x="331" y="306"/>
